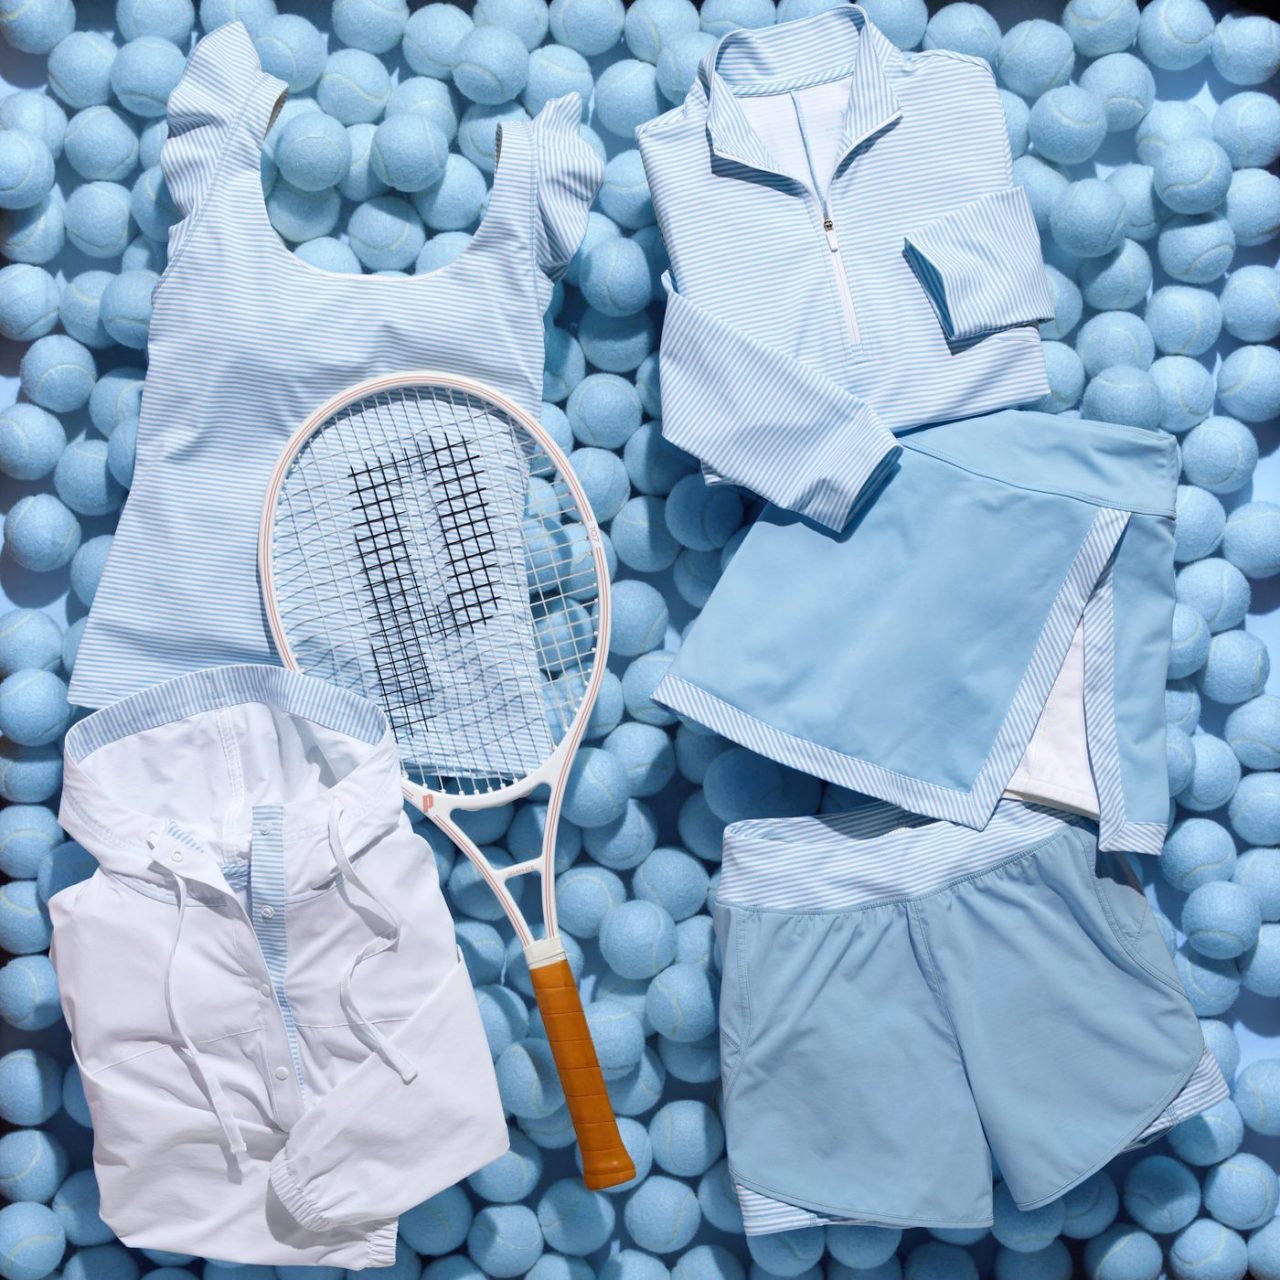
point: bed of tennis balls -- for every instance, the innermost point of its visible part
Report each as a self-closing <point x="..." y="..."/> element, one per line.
<point x="379" y="162"/>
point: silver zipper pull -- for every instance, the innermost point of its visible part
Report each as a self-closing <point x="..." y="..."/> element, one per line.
<point x="830" y="228"/>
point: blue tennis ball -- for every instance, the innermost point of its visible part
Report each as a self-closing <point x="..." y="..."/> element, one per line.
<point x="31" y="441"/>
<point x="483" y="951"/>
<point x="151" y="140"/>
<point x="604" y="477"/>
<point x="1247" y="126"/>
<point x="1264" y="1252"/>
<point x="87" y="566"/>
<point x="902" y="21"/>
<point x="1220" y="455"/>
<point x="596" y="791"/>
<point x="329" y="254"/>
<point x="121" y="451"/>
<point x="637" y="939"/>
<point x="1025" y="1230"/>
<point x="41" y="533"/>
<point x="631" y="1264"/>
<point x="1089" y="220"/>
<point x="169" y="19"/>
<point x="626" y="840"/>
<point x="68" y="864"/>
<point x="599" y="228"/>
<point x="386" y="234"/>
<point x="1260" y="965"/>
<point x="1035" y="56"/>
<point x="80" y="309"/>
<point x="1196" y="248"/>
<point x="650" y="24"/>
<point x="719" y="17"/>
<point x="291" y="49"/>
<point x="32" y="1241"/>
<point x="1251" y="303"/>
<point x="1215" y="774"/>
<point x="696" y="942"/>
<point x="617" y="344"/>
<point x="1256" y="1093"/>
<point x="1167" y="126"/>
<point x="679" y="61"/>
<point x="1090" y="1207"/>
<point x="1199" y="524"/>
<point x="1198" y="851"/>
<point x="1251" y="539"/>
<point x="590" y="26"/>
<point x="1211" y="985"/>
<point x="143" y="254"/>
<point x="695" y="574"/>
<point x="527" y="1079"/>
<point x="27" y="833"/>
<point x="1054" y="1262"/>
<point x="125" y="308"/>
<point x="456" y="199"/>
<point x="617" y="1033"/>
<point x="1119" y="280"/>
<point x="505" y="1240"/>
<point x="653" y="463"/>
<point x="681" y="1003"/>
<point x="116" y="396"/>
<point x="32" y="112"/>
<point x="1192" y="177"/>
<point x="701" y="516"/>
<point x="1241" y="1192"/>
<point x="1257" y="870"/>
<point x="574" y="1220"/>
<point x="1248" y="383"/>
<point x="603" y="410"/>
<point x="555" y="70"/>
<point x="33" y="707"/>
<point x="29" y="993"/>
<point x="491" y="65"/>
<point x="30" y="1087"/>
<point x="373" y="25"/>
<point x="1099" y="27"/>
<point x="98" y="219"/>
<point x="1189" y="642"/>
<point x="442" y="249"/>
<point x="36" y="234"/>
<point x="1253" y="206"/>
<point x="511" y="1177"/>
<point x="29" y="300"/>
<point x="1175" y="34"/>
<point x="1067" y="124"/>
<point x="1186" y="392"/>
<point x="1221" y="1041"/>
<point x="26" y="170"/>
<point x="1220" y="919"/>
<point x="1122" y="1252"/>
<point x="788" y="1253"/>
<point x="624" y="197"/>
<point x="79" y="69"/>
<point x="143" y="74"/>
<point x="1114" y="338"/>
<point x="646" y="755"/>
<point x="1180" y="758"/>
<point x="1125" y="395"/>
<point x="505" y="1017"/>
<point x="934" y="1260"/>
<point x="662" y="1214"/>
<point x="701" y="830"/>
<point x="694" y="1061"/>
<point x="1255" y="809"/>
<point x="673" y="880"/>
<point x="83" y="480"/>
<point x="1135" y="185"/>
<point x="626" y="96"/>
<point x="24" y="927"/>
<point x="1017" y="122"/>
<point x="438" y="1225"/>
<point x="708" y="1262"/>
<point x="409" y="152"/>
<point x="1184" y="320"/>
<point x="1161" y="1194"/>
<point x="101" y="144"/>
<point x="964" y="28"/>
<point x="614" y="277"/>
<point x="740" y="784"/>
<point x="641" y="537"/>
<point x="1182" y="704"/>
<point x="313" y="151"/>
<point x="1123" y="84"/>
<point x="33" y="1164"/>
<point x="353" y="87"/>
<point x="1236" y="669"/>
<point x="1246" y="48"/>
<point x="1209" y="1137"/>
<point x="29" y="640"/>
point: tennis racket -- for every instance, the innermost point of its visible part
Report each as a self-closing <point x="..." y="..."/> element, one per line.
<point x="425" y="542"/>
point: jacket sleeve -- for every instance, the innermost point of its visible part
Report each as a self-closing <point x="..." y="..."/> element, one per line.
<point x="756" y="417"/>
<point x="376" y="1145"/>
<point x="980" y="266"/>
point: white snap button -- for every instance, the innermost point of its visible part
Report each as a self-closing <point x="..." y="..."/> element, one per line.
<point x="282" y="1073"/>
<point x="175" y="855"/>
<point x="266" y="828"/>
<point x="267" y="912"/>
<point x="264" y="990"/>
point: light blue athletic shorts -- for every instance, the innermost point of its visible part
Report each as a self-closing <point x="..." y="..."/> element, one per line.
<point x="904" y="999"/>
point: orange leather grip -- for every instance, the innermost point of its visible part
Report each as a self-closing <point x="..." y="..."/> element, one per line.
<point x="605" y="1162"/>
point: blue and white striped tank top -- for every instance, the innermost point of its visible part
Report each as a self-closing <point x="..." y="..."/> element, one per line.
<point x="247" y="340"/>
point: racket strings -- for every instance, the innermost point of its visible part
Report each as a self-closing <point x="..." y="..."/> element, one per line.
<point x="427" y="552"/>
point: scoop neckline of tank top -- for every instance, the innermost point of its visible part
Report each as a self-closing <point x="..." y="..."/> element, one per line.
<point x="277" y="244"/>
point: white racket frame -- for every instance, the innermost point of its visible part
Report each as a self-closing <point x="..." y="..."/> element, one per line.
<point x="554" y="771"/>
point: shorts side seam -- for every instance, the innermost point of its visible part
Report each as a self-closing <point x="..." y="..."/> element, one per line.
<point x="1124" y="941"/>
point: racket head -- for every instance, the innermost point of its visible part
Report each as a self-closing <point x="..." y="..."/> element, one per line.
<point x="425" y="542"/>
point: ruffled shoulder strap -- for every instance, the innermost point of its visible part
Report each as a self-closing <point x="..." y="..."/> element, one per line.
<point x="219" y="112"/>
<point x="567" y="173"/>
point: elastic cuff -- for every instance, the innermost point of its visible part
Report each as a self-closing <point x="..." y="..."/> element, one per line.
<point x="981" y="266"/>
<point x="300" y="1206"/>
<point x="847" y="472"/>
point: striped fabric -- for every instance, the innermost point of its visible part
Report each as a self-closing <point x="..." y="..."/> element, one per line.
<point x="811" y="316"/>
<point x="247" y="340"/>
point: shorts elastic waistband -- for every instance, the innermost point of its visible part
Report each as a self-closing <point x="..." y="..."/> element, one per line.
<point x="878" y="853"/>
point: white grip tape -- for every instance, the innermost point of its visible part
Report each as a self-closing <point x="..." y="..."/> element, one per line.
<point x="543" y="952"/>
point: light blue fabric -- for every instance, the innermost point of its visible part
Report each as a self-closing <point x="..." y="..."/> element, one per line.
<point x="911" y="655"/>
<point x="247" y="340"/>
<point x="810" y="316"/>
<point x="902" y="1001"/>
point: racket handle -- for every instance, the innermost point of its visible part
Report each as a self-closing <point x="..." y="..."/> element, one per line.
<point x="605" y="1162"/>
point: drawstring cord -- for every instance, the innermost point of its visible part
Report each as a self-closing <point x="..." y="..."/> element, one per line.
<point x="207" y="1081"/>
<point x="365" y="1031"/>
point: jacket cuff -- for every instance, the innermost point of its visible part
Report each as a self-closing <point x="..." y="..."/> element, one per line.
<point x="845" y="474"/>
<point x="300" y="1206"/>
<point x="981" y="267"/>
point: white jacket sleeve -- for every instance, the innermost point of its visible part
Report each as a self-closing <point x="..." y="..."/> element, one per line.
<point x="367" y="1151"/>
<point x="761" y="419"/>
